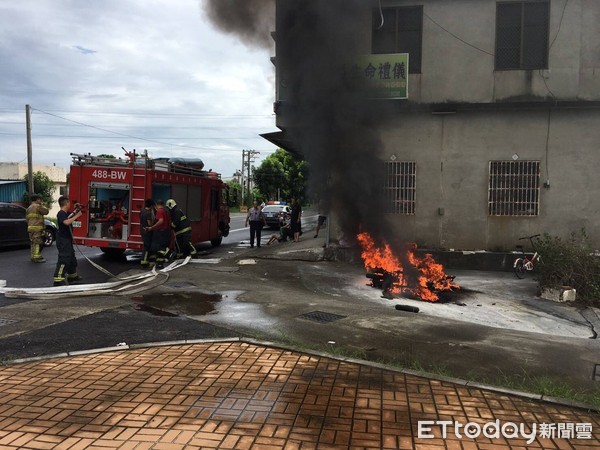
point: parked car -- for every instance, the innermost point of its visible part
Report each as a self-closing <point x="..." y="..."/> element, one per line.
<point x="13" y="227"/>
<point x="274" y="214"/>
<point x="49" y="232"/>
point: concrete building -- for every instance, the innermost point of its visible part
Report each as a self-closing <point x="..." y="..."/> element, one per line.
<point x="17" y="171"/>
<point x="498" y="136"/>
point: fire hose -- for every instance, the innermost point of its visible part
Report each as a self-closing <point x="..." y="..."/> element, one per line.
<point x="120" y="287"/>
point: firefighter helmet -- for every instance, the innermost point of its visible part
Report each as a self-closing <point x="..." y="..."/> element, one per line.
<point x="170" y="203"/>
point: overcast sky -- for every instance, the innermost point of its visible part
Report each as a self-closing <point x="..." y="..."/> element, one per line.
<point x="141" y="74"/>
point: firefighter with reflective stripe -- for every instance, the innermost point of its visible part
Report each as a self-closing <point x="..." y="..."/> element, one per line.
<point x="66" y="266"/>
<point x="36" y="226"/>
<point x="161" y="234"/>
<point x="183" y="230"/>
<point x="147" y="219"/>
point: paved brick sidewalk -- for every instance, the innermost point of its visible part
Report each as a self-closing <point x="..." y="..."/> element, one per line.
<point x="235" y="395"/>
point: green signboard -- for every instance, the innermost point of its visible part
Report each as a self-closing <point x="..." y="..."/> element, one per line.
<point x="383" y="75"/>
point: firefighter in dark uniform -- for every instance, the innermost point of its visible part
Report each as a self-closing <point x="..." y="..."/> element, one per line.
<point x="35" y="227"/>
<point x="183" y="230"/>
<point x="66" y="266"/>
<point x="161" y="235"/>
<point x="147" y="219"/>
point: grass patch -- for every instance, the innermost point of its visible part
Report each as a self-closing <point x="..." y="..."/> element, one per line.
<point x="7" y="359"/>
<point x="544" y="385"/>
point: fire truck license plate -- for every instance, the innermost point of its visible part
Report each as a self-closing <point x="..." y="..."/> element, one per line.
<point x="109" y="174"/>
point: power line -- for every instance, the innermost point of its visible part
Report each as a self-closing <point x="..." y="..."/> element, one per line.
<point x="459" y="38"/>
<point x="562" y="16"/>
<point x="140" y="114"/>
<point x="121" y="134"/>
<point x="163" y="127"/>
<point x="207" y="127"/>
<point x="110" y="137"/>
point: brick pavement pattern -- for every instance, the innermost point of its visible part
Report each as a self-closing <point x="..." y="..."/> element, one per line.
<point x="235" y="395"/>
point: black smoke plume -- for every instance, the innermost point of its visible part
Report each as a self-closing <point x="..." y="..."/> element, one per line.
<point x="251" y="20"/>
<point x="332" y="123"/>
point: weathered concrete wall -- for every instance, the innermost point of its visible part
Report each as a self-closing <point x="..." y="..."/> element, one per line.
<point x="455" y="71"/>
<point x="453" y="154"/>
<point x="543" y="115"/>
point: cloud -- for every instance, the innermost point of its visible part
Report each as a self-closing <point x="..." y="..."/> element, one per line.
<point x="156" y="70"/>
<point x="85" y="51"/>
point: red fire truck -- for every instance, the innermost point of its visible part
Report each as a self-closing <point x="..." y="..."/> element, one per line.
<point x="113" y="191"/>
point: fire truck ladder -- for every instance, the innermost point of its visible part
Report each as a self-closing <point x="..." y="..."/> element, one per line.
<point x="138" y="192"/>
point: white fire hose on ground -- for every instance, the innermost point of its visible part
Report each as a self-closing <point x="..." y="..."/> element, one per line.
<point x="120" y="287"/>
<point x="124" y="286"/>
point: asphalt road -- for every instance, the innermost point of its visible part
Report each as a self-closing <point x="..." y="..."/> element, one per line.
<point x="19" y="271"/>
<point x="101" y="321"/>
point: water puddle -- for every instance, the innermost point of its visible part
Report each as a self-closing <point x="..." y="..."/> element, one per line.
<point x="178" y="303"/>
<point x="152" y="310"/>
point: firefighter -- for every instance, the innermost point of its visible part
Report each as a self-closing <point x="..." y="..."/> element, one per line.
<point x="117" y="218"/>
<point x="183" y="230"/>
<point x="161" y="234"/>
<point x="147" y="219"/>
<point x="66" y="266"/>
<point x="36" y="226"/>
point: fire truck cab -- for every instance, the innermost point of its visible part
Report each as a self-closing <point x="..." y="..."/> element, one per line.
<point x="113" y="191"/>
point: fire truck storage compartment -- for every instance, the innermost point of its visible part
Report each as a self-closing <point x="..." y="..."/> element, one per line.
<point x="194" y="202"/>
<point x="108" y="210"/>
<point x="188" y="198"/>
<point x="161" y="192"/>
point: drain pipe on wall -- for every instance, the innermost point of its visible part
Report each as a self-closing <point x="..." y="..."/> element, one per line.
<point x="327" y="229"/>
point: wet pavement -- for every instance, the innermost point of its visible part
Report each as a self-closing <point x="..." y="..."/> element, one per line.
<point x="245" y="392"/>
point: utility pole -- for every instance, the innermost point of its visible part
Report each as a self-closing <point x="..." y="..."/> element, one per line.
<point x="237" y="176"/>
<point x="249" y="160"/>
<point x="29" y="150"/>
<point x="242" y="176"/>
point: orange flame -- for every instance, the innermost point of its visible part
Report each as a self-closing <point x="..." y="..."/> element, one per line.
<point x="430" y="276"/>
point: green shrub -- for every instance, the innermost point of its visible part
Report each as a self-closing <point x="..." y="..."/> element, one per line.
<point x="569" y="262"/>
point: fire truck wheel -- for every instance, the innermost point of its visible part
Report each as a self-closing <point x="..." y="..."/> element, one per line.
<point x="224" y="229"/>
<point x="216" y="242"/>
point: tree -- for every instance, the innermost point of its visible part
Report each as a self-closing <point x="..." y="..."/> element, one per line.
<point x="42" y="185"/>
<point x="235" y="193"/>
<point x="281" y="175"/>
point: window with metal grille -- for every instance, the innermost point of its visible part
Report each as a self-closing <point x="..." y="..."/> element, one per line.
<point x="401" y="32"/>
<point x="514" y="188"/>
<point x="522" y="35"/>
<point x="400" y="188"/>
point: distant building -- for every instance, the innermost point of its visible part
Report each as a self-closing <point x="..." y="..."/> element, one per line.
<point x="498" y="133"/>
<point x="17" y="171"/>
<point x="12" y="191"/>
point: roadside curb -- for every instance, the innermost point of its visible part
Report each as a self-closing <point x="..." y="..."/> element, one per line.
<point x="460" y="382"/>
